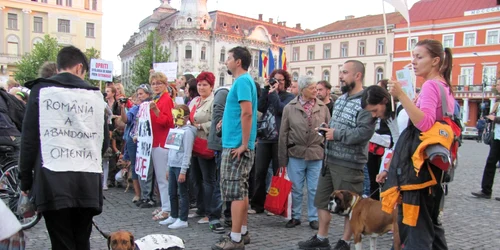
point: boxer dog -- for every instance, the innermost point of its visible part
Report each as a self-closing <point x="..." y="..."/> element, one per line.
<point x="366" y="217"/>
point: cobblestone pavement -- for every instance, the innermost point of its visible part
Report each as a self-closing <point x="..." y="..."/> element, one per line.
<point x="470" y="223"/>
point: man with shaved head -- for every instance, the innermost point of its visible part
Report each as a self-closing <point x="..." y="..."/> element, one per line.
<point x="347" y="135"/>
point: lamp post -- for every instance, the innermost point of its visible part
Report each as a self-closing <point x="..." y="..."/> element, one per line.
<point x="483" y="85"/>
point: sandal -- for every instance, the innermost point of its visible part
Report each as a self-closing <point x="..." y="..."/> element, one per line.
<point x="160" y="216"/>
<point x="157" y="211"/>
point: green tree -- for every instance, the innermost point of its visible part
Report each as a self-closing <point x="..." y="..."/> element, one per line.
<point x="92" y="53"/>
<point x="30" y="63"/>
<point x="143" y="60"/>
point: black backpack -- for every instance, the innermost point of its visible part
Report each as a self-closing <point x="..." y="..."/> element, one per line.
<point x="15" y="108"/>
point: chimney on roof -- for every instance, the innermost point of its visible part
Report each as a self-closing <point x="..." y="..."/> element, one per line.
<point x="297" y="26"/>
<point x="279" y="23"/>
<point x="270" y="20"/>
<point x="349" y="17"/>
<point x="284" y="22"/>
<point x="260" y="17"/>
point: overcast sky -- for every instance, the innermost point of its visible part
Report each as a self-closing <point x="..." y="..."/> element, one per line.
<point x="121" y="18"/>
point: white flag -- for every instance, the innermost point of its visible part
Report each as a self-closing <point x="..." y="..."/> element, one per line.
<point x="401" y="7"/>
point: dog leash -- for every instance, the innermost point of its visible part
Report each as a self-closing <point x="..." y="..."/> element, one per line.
<point x="105" y="235"/>
<point x="379" y="189"/>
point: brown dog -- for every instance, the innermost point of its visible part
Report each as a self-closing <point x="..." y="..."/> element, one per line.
<point x="121" y="240"/>
<point x="366" y="217"/>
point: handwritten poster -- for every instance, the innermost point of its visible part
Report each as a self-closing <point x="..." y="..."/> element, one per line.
<point x="169" y="69"/>
<point x="144" y="141"/>
<point x="71" y="129"/>
<point x="101" y="70"/>
<point x="174" y="139"/>
<point x="404" y="77"/>
<point x="159" y="241"/>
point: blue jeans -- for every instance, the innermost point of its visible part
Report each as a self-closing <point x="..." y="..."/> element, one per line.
<point x="366" y="182"/>
<point x="131" y="147"/>
<point x="178" y="191"/>
<point x="203" y="173"/>
<point x="299" y="171"/>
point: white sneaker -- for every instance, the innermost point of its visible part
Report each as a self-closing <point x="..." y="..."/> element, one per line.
<point x="168" y="221"/>
<point x="178" y="224"/>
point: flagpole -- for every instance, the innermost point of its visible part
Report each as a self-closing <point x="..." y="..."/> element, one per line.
<point x="387" y="42"/>
<point x="413" y="76"/>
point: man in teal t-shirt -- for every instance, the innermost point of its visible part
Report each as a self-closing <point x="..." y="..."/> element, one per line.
<point x="239" y="131"/>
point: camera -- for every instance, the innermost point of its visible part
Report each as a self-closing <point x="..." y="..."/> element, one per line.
<point x="322" y="132"/>
<point x="273" y="81"/>
<point x="123" y="100"/>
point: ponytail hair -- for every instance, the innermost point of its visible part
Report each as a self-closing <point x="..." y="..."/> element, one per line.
<point x="446" y="67"/>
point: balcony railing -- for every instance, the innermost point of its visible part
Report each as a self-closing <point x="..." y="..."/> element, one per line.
<point x="471" y="88"/>
<point x="9" y="58"/>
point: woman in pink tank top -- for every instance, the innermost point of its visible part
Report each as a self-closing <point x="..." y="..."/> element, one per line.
<point x="433" y="63"/>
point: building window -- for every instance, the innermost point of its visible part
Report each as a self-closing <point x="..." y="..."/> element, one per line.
<point x="361" y="48"/>
<point x="203" y="55"/>
<point x="310" y="52"/>
<point x="221" y="79"/>
<point x="69" y="3"/>
<point x="295" y="76"/>
<point x="12" y="45"/>
<point x="449" y="41"/>
<point x="326" y="75"/>
<point x="63" y="26"/>
<point x="222" y="55"/>
<point x="492" y="37"/>
<point x="256" y="59"/>
<point x="379" y="74"/>
<point x="469" y="38"/>
<point x="12" y="21"/>
<point x="310" y="73"/>
<point x="410" y="45"/>
<point x="489" y="75"/>
<point x="189" y="52"/>
<point x="44" y="1"/>
<point x="327" y="51"/>
<point x="295" y="54"/>
<point x="380" y="46"/>
<point x="94" y="4"/>
<point x="59" y="2"/>
<point x="90" y="30"/>
<point x="176" y="53"/>
<point x="466" y="76"/>
<point x="37" y="24"/>
<point x="86" y="4"/>
<point x="344" y="49"/>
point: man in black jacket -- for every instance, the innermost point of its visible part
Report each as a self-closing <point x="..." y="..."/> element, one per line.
<point x="64" y="135"/>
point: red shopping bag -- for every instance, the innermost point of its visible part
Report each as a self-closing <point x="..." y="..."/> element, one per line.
<point x="277" y="198"/>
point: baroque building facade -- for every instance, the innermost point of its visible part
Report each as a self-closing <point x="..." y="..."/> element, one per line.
<point x="199" y="40"/>
<point x="25" y="23"/>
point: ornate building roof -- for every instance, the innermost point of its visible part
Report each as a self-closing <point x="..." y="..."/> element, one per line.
<point x="425" y="10"/>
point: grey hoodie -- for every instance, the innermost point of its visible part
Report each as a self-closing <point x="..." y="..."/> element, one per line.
<point x="354" y="127"/>
<point x="182" y="158"/>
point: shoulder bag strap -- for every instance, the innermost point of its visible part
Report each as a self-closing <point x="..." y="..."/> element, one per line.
<point x="444" y="103"/>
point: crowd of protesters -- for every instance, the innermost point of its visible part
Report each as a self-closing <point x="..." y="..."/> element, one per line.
<point x="224" y="155"/>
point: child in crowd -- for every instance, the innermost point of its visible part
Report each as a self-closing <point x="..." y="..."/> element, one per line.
<point x="180" y="144"/>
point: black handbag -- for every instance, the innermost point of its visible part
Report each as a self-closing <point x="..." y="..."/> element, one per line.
<point x="267" y="128"/>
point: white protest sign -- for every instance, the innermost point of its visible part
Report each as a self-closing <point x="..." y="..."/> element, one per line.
<point x="71" y="129"/>
<point x="169" y="69"/>
<point x="159" y="241"/>
<point x="101" y="70"/>
<point x="404" y="77"/>
<point x="144" y="141"/>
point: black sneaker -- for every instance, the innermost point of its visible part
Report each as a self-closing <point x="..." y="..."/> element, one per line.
<point x="497" y="198"/>
<point x="228" y="222"/>
<point x="314" y="224"/>
<point x="292" y="223"/>
<point x="342" y="245"/>
<point x="217" y="228"/>
<point x="315" y="244"/>
<point x="140" y="202"/>
<point x="481" y="194"/>
<point x="148" y="204"/>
